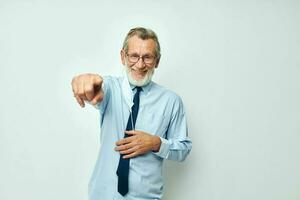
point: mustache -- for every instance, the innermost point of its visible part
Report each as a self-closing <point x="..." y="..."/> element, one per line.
<point x="139" y="70"/>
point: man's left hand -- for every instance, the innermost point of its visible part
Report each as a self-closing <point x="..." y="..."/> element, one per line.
<point x="137" y="144"/>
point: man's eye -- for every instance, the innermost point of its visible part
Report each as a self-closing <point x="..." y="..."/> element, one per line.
<point x="135" y="56"/>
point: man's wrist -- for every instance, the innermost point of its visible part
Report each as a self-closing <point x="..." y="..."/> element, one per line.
<point x="156" y="144"/>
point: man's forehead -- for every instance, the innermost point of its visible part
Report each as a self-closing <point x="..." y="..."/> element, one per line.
<point x="136" y="43"/>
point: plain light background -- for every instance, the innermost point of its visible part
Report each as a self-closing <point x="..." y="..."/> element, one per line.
<point x="234" y="63"/>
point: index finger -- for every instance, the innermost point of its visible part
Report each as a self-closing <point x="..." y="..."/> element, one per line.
<point x="92" y="87"/>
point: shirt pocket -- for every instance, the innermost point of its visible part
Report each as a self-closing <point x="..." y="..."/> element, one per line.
<point x="153" y="124"/>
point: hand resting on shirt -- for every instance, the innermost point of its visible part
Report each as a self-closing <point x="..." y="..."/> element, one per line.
<point x="87" y="87"/>
<point x="137" y="144"/>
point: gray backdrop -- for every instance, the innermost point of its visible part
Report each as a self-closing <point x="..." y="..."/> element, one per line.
<point x="234" y="63"/>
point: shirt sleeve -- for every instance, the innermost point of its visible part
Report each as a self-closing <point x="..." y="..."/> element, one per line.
<point x="106" y="90"/>
<point x="176" y="146"/>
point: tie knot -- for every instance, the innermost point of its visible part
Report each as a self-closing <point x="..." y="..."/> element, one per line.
<point x="138" y="89"/>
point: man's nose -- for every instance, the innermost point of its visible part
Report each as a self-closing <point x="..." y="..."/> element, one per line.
<point x="140" y="63"/>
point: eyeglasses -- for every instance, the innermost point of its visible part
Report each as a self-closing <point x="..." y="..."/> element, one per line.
<point x="147" y="59"/>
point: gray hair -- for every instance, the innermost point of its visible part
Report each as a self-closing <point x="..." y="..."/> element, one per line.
<point x="144" y="34"/>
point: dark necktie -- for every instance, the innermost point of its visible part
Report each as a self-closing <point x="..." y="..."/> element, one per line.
<point x="123" y="167"/>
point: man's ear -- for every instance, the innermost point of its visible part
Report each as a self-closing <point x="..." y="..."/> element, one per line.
<point x="157" y="62"/>
<point x="122" y="54"/>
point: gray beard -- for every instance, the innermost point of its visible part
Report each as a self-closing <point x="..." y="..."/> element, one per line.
<point x="142" y="82"/>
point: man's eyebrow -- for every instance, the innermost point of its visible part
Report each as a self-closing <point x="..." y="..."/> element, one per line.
<point x="146" y="54"/>
<point x="133" y="53"/>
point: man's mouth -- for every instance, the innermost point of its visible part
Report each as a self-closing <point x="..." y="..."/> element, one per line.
<point x="137" y="72"/>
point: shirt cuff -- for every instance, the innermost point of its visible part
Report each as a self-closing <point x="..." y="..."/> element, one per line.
<point x="164" y="148"/>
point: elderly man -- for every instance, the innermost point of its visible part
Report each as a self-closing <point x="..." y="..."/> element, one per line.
<point x="142" y="123"/>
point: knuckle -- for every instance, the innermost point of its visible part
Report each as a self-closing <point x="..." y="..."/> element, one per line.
<point x="88" y="88"/>
<point x="74" y="79"/>
<point x="80" y="93"/>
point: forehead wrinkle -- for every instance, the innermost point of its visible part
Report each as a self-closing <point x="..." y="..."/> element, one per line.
<point x="139" y="46"/>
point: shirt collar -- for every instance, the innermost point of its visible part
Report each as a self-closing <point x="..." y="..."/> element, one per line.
<point x="145" y="88"/>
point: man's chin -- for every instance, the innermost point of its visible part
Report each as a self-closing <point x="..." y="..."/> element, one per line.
<point x="140" y="82"/>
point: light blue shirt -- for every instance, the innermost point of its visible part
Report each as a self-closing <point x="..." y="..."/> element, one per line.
<point x="161" y="113"/>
